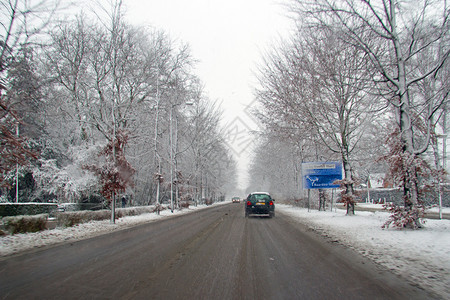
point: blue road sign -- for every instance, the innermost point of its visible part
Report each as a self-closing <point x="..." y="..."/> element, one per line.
<point x="321" y="175"/>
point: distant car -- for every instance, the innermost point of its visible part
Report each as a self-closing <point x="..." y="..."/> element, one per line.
<point x="236" y="200"/>
<point x="260" y="203"/>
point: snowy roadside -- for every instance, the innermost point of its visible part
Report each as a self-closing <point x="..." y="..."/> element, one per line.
<point x="421" y="256"/>
<point x="12" y="244"/>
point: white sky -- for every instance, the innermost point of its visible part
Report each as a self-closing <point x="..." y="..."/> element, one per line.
<point x="228" y="38"/>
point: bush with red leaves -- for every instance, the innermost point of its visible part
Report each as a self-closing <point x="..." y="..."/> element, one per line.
<point x="403" y="218"/>
<point x="412" y="174"/>
<point x="116" y="174"/>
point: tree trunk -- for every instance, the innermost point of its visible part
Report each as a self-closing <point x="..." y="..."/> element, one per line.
<point x="322" y="199"/>
<point x="348" y="195"/>
<point x="404" y="112"/>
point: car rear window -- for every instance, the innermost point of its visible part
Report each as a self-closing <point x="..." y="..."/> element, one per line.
<point x="260" y="198"/>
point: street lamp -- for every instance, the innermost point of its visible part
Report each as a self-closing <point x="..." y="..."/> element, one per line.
<point x="172" y="154"/>
<point x="444" y="158"/>
<point x="17" y="168"/>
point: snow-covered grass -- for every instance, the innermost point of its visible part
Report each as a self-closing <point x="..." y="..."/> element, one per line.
<point x="421" y="256"/>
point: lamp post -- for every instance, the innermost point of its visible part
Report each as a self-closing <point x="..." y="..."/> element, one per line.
<point x="113" y="200"/>
<point x="17" y="168"/>
<point x="444" y="158"/>
<point x="172" y="153"/>
<point x="156" y="154"/>
<point x="171" y="158"/>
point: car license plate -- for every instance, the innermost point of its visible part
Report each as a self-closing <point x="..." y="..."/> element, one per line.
<point x="260" y="203"/>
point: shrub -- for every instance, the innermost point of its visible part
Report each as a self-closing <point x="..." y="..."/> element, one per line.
<point x="184" y="204"/>
<point x="136" y="211"/>
<point x="71" y="218"/>
<point x="404" y="218"/>
<point x="23" y="224"/>
<point x="68" y="219"/>
<point x="19" y="209"/>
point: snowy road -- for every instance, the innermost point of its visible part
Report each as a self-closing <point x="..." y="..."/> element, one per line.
<point x="213" y="253"/>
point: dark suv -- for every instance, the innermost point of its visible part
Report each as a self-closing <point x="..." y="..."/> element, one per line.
<point x="260" y="204"/>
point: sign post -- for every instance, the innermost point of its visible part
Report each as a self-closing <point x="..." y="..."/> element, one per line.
<point x="320" y="175"/>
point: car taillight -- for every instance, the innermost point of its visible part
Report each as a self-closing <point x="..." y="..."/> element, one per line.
<point x="271" y="203"/>
<point x="249" y="203"/>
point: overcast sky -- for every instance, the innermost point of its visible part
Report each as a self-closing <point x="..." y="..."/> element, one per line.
<point x="228" y="38"/>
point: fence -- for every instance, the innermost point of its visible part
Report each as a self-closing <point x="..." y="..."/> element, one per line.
<point x="396" y="196"/>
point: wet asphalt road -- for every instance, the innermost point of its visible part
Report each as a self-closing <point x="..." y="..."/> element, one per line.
<point x="214" y="253"/>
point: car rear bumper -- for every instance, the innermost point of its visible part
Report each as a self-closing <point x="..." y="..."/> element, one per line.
<point x="258" y="210"/>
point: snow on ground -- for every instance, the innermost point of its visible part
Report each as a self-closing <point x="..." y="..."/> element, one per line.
<point x="420" y="256"/>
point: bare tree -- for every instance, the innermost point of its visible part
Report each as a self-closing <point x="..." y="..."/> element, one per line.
<point x="321" y="83"/>
<point x="275" y="166"/>
<point x="67" y="60"/>
<point x="108" y="83"/>
<point x="400" y="31"/>
<point x="209" y="164"/>
<point x="20" y="23"/>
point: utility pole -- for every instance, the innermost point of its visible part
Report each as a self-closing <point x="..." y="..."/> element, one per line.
<point x="157" y="157"/>
<point x="171" y="158"/>
<point x="172" y="154"/>
<point x="17" y="168"/>
<point x="113" y="204"/>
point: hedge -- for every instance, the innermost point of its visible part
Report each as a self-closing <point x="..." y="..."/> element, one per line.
<point x="71" y="218"/>
<point x="19" y="209"/>
<point x="23" y="224"/>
